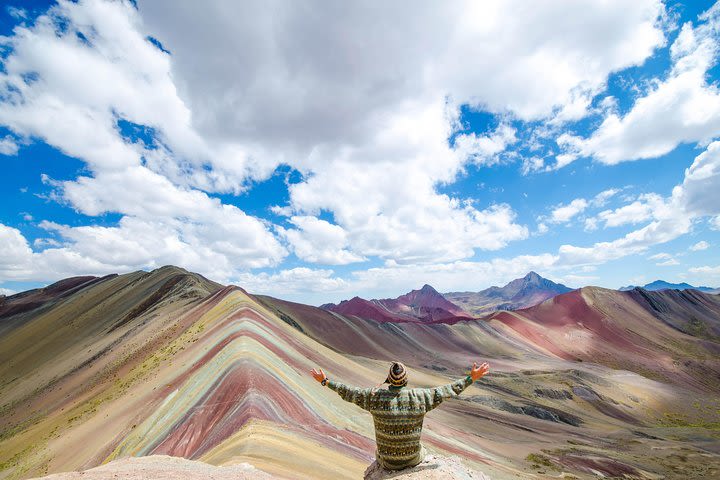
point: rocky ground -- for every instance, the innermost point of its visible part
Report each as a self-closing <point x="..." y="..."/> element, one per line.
<point x="434" y="467"/>
<point x="163" y="467"/>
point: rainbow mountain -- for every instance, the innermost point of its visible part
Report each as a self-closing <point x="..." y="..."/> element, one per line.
<point x="590" y="382"/>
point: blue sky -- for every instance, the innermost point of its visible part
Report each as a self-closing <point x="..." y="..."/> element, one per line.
<point x="361" y="151"/>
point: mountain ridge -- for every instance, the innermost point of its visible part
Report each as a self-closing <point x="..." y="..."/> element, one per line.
<point x="425" y="304"/>
<point x="663" y="285"/>
<point x="164" y="363"/>
<point x="519" y="293"/>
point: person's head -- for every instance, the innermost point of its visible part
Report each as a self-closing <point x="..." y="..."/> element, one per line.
<point x="397" y="376"/>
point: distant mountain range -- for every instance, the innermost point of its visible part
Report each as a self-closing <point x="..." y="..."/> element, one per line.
<point x="427" y="305"/>
<point x="424" y="305"/>
<point x="520" y="293"/>
<point x="663" y="285"/>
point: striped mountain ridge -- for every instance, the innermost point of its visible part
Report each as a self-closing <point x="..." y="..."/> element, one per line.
<point x="669" y="335"/>
<point x="169" y="363"/>
<point x="215" y="377"/>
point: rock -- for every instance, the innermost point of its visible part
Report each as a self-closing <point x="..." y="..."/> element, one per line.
<point x="553" y="394"/>
<point x="162" y="467"/>
<point x="433" y="467"/>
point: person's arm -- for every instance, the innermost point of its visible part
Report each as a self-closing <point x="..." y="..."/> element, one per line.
<point x="358" y="396"/>
<point x="435" y="396"/>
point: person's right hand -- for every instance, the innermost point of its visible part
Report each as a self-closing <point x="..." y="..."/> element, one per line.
<point x="318" y="375"/>
<point x="477" y="373"/>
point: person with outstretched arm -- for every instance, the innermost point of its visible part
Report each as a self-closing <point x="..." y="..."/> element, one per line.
<point x="398" y="411"/>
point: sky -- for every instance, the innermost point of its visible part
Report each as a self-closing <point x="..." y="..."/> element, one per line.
<point x="316" y="151"/>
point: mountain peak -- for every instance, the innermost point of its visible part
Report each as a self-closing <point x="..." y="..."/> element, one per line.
<point x="425" y="304"/>
<point x="428" y="289"/>
<point x="519" y="293"/>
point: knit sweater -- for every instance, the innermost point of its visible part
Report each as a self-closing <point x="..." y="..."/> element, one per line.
<point x="398" y="413"/>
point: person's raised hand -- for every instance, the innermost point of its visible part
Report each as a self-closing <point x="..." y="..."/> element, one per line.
<point x="477" y="373"/>
<point x="318" y="375"/>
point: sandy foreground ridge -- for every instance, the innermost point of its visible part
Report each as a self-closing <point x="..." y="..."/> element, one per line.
<point x="164" y="467"/>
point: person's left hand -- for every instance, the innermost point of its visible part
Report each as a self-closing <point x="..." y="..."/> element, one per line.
<point x="318" y="375"/>
<point x="477" y="373"/>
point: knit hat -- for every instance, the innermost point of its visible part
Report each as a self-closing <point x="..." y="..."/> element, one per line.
<point x="397" y="376"/>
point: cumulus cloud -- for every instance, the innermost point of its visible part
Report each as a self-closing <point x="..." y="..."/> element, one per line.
<point x="565" y="213"/>
<point x="381" y="122"/>
<point x="14" y="253"/>
<point x="644" y="208"/>
<point x="483" y="149"/>
<point x="365" y="122"/>
<point x="303" y="283"/>
<point x="699" y="246"/>
<point x="683" y="107"/>
<point x="136" y="243"/>
<point x="696" y="197"/>
<point x="319" y="241"/>
<point x="8" y="146"/>
<point x="70" y="79"/>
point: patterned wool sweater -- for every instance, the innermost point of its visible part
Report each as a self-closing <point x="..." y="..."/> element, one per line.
<point x="398" y="413"/>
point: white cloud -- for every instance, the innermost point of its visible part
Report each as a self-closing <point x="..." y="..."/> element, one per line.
<point x="483" y="150"/>
<point x="700" y="193"/>
<point x="591" y="224"/>
<point x="602" y="197"/>
<point x="14" y="253"/>
<point x="317" y="241"/>
<point x="69" y="80"/>
<point x="217" y="249"/>
<point x="389" y="142"/>
<point x="367" y="126"/>
<point x="7" y="291"/>
<point x="706" y="270"/>
<point x="656" y="232"/>
<point x="670" y="217"/>
<point x="8" y="146"/>
<point x="309" y="283"/>
<point x="675" y="218"/>
<point x="715" y="223"/>
<point x="647" y="206"/>
<point x="706" y="274"/>
<point x="532" y="164"/>
<point x="667" y="259"/>
<point x="684" y="107"/>
<point x="701" y="245"/>
<point x="565" y="213"/>
<point x="17" y="13"/>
